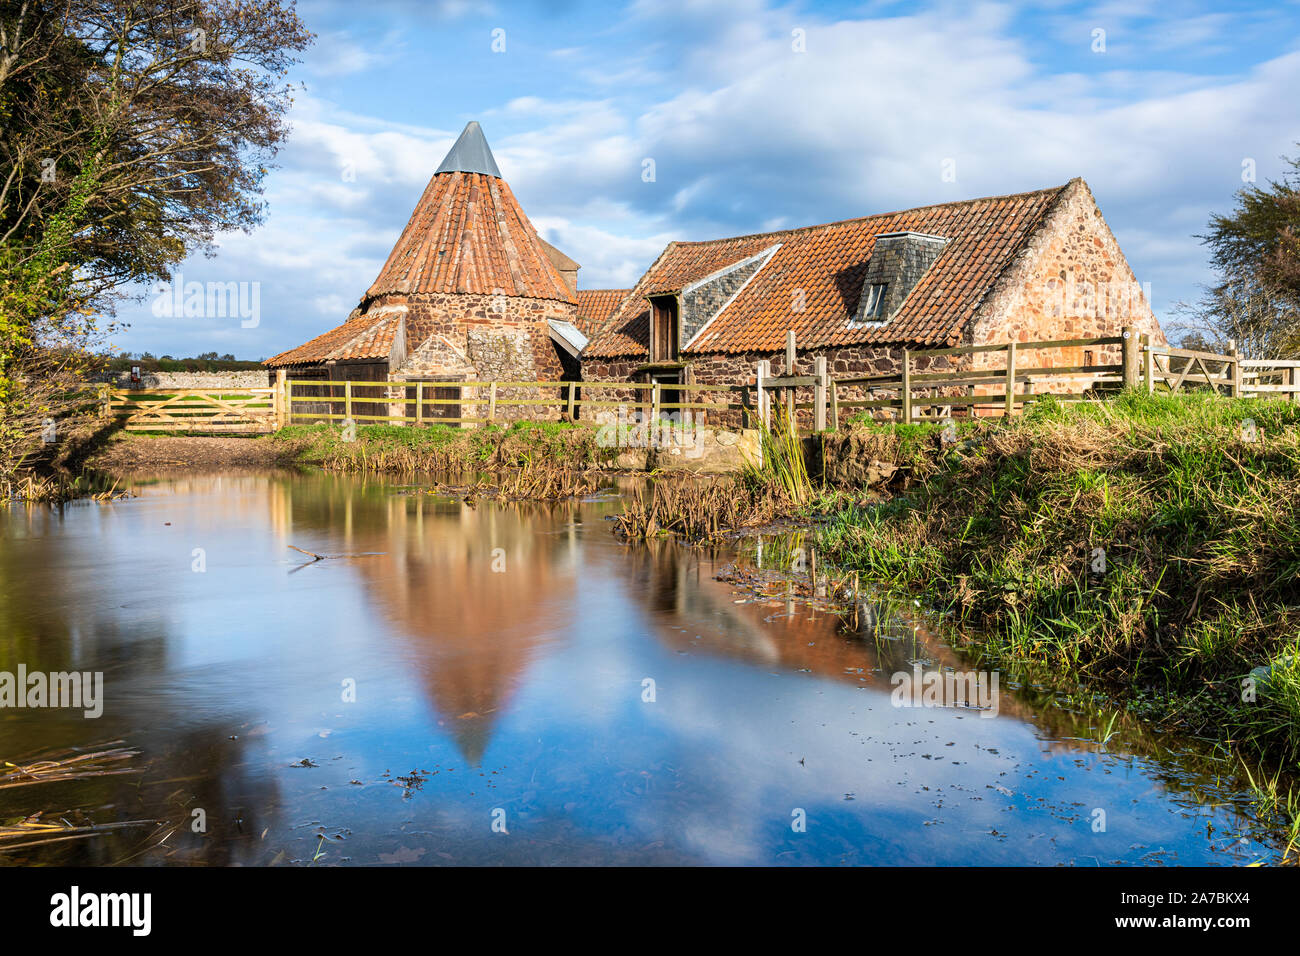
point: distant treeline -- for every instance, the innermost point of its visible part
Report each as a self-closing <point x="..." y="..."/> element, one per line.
<point x="207" y="362"/>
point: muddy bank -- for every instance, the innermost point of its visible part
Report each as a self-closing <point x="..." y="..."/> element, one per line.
<point x="128" y="453"/>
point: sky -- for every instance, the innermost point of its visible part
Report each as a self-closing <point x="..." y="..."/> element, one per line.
<point x="621" y="127"/>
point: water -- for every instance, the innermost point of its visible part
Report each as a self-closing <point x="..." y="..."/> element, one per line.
<point x="501" y="657"/>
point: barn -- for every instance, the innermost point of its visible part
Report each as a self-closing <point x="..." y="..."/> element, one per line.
<point x="1031" y="267"/>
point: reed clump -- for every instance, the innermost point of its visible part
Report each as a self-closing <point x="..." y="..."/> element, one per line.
<point x="525" y="460"/>
<point x="697" y="507"/>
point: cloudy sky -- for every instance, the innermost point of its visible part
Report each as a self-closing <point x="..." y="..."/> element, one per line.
<point x="755" y="116"/>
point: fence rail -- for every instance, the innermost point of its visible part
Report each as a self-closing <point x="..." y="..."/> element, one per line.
<point x="929" y="383"/>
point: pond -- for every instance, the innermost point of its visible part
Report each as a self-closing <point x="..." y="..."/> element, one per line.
<point x="496" y="683"/>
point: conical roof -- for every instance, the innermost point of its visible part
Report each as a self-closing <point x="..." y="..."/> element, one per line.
<point x="469" y="235"/>
<point x="470" y="154"/>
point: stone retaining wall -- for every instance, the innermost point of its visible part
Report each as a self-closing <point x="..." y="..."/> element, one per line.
<point x="249" y="378"/>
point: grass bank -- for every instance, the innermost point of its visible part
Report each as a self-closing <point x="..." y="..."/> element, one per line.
<point x="524" y="459"/>
<point x="1148" y="544"/>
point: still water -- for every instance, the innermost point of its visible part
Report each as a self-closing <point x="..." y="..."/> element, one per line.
<point x="511" y="684"/>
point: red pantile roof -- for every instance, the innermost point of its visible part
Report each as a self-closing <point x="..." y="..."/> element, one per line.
<point x="359" y="338"/>
<point x="596" y="307"/>
<point x="823" y="267"/>
<point x="468" y="234"/>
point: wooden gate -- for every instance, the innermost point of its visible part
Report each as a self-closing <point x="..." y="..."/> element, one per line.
<point x="239" y="411"/>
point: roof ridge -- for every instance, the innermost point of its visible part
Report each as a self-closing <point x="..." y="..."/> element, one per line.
<point x="876" y="215"/>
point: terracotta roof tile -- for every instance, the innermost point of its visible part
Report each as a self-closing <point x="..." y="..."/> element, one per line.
<point x="468" y="234"/>
<point x="360" y="337"/>
<point x="828" y="264"/>
<point x="596" y="307"/>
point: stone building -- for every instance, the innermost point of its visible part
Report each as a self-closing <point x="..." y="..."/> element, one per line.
<point x="1037" y="266"/>
<point x="469" y="292"/>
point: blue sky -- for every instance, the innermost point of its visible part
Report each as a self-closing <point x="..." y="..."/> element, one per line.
<point x="747" y="131"/>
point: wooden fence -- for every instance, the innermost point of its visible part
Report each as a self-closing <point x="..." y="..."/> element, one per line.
<point x="243" y="411"/>
<point x="930" y="383"/>
<point x="421" y="403"/>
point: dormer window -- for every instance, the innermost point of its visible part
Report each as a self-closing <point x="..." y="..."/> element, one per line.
<point x="873" y="309"/>
<point x="898" y="261"/>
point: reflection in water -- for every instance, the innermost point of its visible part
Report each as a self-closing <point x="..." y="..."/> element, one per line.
<point x="462" y="665"/>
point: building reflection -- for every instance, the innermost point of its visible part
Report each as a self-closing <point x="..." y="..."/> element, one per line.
<point x="478" y="593"/>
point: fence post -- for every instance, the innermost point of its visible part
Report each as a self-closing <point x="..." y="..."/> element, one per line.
<point x="105" y="401"/>
<point x="347" y="400"/>
<point x="1130" y="351"/>
<point x="419" y="403"/>
<point x="1148" y="365"/>
<point x="1011" y="379"/>
<point x="905" y="389"/>
<point x="1292" y="379"/>
<point x="1235" y="388"/>
<point x="790" y="358"/>
<point x="572" y="386"/>
<point x="283" y="407"/>
<point x="654" y="403"/>
<point x="819" y="394"/>
<point x="763" y="399"/>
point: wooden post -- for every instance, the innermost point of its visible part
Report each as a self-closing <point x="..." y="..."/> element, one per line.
<point x="819" y="394"/>
<point x="492" y="403"/>
<point x="572" y="386"/>
<point x="763" y="399"/>
<point x="347" y="399"/>
<point x="1235" y="387"/>
<point x="419" y="403"/>
<point x="790" y="358"/>
<point x="1011" y="380"/>
<point x="1148" y="365"/>
<point x="905" y="389"/>
<point x="654" y="403"/>
<point x="283" y="407"/>
<point x="1293" y="379"/>
<point x="1130" y="351"/>
<point x="105" y="401"/>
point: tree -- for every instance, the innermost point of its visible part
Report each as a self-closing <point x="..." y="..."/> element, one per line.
<point x="132" y="133"/>
<point x="1261" y="237"/>
<point x="1256" y="251"/>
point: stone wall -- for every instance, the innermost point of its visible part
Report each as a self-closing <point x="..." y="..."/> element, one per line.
<point x="250" y="378"/>
<point x="1071" y="282"/>
<point x="485" y="338"/>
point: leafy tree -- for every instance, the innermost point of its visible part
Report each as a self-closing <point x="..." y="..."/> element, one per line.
<point x="1261" y="237"/>
<point x="1256" y="251"/>
<point x="132" y="133"/>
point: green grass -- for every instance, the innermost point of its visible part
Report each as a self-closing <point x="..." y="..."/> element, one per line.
<point x="1201" y="541"/>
